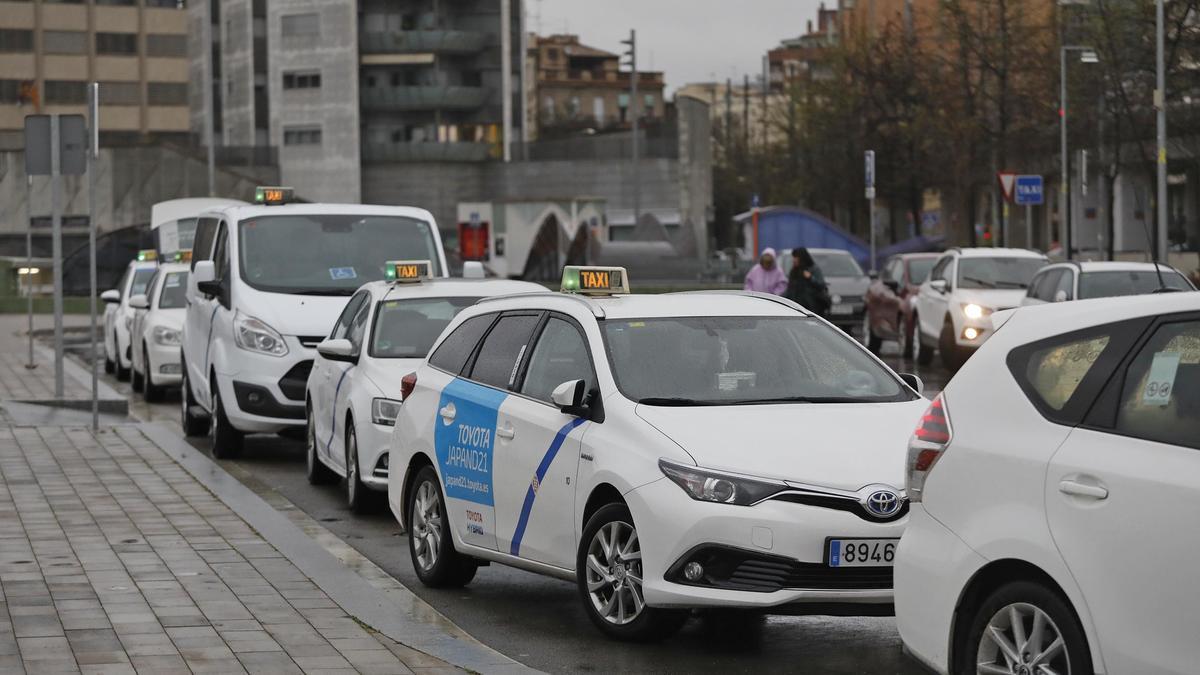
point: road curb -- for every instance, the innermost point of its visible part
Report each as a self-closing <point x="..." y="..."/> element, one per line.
<point x="396" y="613"/>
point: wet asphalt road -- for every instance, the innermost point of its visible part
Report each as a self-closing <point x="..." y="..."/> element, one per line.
<point x="539" y="621"/>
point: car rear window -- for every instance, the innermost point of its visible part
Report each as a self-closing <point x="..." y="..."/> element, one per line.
<point x="406" y="329"/>
<point x="454" y="351"/>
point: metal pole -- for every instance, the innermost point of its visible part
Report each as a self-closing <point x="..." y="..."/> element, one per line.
<point x="93" y="155"/>
<point x="1028" y="226"/>
<point x="1064" y="235"/>
<point x="29" y="261"/>
<point x="524" y="50"/>
<point x="56" y="251"/>
<point x="1160" y="104"/>
<point x="506" y="75"/>
<point x="872" y="223"/>
<point x="209" y="121"/>
<point x="635" y="113"/>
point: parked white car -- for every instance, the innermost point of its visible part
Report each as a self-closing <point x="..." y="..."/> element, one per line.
<point x="118" y="315"/>
<point x="1056" y="490"/>
<point x="964" y="288"/>
<point x="158" y="331"/>
<point x="632" y="444"/>
<point x="1066" y="281"/>
<point x="383" y="334"/>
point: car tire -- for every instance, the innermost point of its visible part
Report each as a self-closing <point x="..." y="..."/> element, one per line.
<point x="608" y="579"/>
<point x="122" y="372"/>
<point x="137" y="381"/>
<point x="226" y="441"/>
<point x="150" y="391"/>
<point x="437" y="563"/>
<point x="193" y="424"/>
<point x="109" y="366"/>
<point x="359" y="497"/>
<point x="315" y="470"/>
<point x="924" y="351"/>
<point x="952" y="355"/>
<point x="991" y="626"/>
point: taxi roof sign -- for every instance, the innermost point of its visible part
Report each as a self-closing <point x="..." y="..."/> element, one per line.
<point x="148" y="255"/>
<point x="595" y="280"/>
<point x="183" y="256"/>
<point x="408" y="271"/>
<point x="273" y="195"/>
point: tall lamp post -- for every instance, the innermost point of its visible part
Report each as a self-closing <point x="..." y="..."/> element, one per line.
<point x="1160" y="105"/>
<point x="1086" y="55"/>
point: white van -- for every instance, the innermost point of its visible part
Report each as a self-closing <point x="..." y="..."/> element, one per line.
<point x="268" y="282"/>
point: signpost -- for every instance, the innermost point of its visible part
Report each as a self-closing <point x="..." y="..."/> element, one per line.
<point x="93" y="154"/>
<point x="869" y="175"/>
<point x="1029" y="191"/>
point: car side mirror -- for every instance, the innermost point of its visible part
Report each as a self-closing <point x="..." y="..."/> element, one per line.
<point x="571" y="397"/>
<point x="204" y="272"/>
<point x="139" y="302"/>
<point x="1061" y="296"/>
<point x="914" y="382"/>
<point x="111" y="296"/>
<point x="939" y="285"/>
<point x="340" y="349"/>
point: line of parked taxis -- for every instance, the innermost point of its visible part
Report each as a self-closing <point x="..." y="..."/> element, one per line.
<point x="685" y="451"/>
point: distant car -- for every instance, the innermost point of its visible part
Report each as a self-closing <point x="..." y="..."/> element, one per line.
<point x="1065" y="281"/>
<point x="157" y="331"/>
<point x="1055" y="488"/>
<point x="118" y="315"/>
<point x="848" y="286"/>
<point x="891" y="298"/>
<point x="964" y="288"/>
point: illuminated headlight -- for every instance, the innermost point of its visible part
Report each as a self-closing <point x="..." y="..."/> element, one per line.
<point x="970" y="333"/>
<point x="166" y="336"/>
<point x="973" y="311"/>
<point x="713" y="486"/>
<point x="255" y="336"/>
<point x="384" y="411"/>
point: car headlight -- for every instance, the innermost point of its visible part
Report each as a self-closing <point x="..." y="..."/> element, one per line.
<point x="974" y="311"/>
<point x="166" y="336"/>
<point x="713" y="486"/>
<point x="384" y="411"/>
<point x="255" y="336"/>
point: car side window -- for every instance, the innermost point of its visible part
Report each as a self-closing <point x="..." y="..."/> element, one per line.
<point x="152" y="287"/>
<point x="221" y="253"/>
<point x="502" y="349"/>
<point x="206" y="230"/>
<point x="938" y="269"/>
<point x="358" y="327"/>
<point x="1160" y="397"/>
<point x="1034" y="285"/>
<point x="123" y="284"/>
<point x="343" y="322"/>
<point x="560" y="355"/>
<point x="1065" y="286"/>
<point x="452" y="355"/>
<point x="1048" y="285"/>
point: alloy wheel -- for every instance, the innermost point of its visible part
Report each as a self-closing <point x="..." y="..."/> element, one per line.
<point x="1021" y="639"/>
<point x="426" y="529"/>
<point x="352" y="467"/>
<point x="614" y="573"/>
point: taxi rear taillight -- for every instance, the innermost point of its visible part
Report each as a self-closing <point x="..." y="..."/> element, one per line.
<point x="407" y="384"/>
<point x="928" y="442"/>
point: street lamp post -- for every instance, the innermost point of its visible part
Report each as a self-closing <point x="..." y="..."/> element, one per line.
<point x="1160" y="105"/>
<point x="1087" y="55"/>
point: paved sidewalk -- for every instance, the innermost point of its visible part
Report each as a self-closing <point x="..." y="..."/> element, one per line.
<point x="113" y="559"/>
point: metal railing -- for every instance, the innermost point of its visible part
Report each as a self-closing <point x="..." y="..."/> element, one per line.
<point x="410" y="41"/>
<point x="426" y="97"/>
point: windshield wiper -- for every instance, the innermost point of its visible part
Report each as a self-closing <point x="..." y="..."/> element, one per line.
<point x="672" y="401"/>
<point x="1013" y="284"/>
<point x="322" y="291"/>
<point x="982" y="282"/>
<point x="799" y="399"/>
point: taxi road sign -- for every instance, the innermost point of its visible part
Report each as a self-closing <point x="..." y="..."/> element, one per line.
<point x="1028" y="190"/>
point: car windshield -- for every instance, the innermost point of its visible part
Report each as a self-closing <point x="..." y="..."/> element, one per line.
<point x="174" y="290"/>
<point x="141" y="280"/>
<point x="918" y="269"/>
<point x="1135" y="282"/>
<point x="329" y="254"/>
<point x="837" y="265"/>
<point x="997" y="272"/>
<point x="734" y="360"/>
<point x="407" y="329"/>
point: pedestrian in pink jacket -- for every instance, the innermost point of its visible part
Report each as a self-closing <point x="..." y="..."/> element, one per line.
<point x="766" y="277"/>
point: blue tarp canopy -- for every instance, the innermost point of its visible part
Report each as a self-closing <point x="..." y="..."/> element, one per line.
<point x="788" y="227"/>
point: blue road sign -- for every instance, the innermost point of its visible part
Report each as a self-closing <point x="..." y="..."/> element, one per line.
<point x="1029" y="190"/>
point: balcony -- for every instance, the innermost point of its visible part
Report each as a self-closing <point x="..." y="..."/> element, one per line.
<point x="425" y="152"/>
<point x="416" y="98"/>
<point x="422" y="41"/>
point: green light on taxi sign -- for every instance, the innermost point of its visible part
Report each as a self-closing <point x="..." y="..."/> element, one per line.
<point x="408" y="271"/>
<point x="595" y="280"/>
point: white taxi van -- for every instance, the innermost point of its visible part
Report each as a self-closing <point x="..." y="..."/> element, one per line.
<point x="631" y="443"/>
<point x="268" y="280"/>
<point x="383" y="334"/>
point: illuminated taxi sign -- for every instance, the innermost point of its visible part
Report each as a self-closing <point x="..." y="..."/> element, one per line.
<point x="408" y="271"/>
<point x="183" y="256"/>
<point x="595" y="280"/>
<point x="149" y="255"/>
<point x="273" y="196"/>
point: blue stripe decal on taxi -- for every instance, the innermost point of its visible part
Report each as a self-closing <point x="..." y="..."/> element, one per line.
<point x="531" y="491"/>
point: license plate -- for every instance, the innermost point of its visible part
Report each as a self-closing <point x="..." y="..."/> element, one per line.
<point x="862" y="552"/>
<point x="842" y="309"/>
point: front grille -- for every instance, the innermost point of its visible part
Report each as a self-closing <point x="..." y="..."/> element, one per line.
<point x="737" y="569"/>
<point x="294" y="382"/>
<point x="310" y="341"/>
<point x="840" y="504"/>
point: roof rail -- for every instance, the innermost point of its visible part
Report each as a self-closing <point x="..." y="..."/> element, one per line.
<point x="769" y="297"/>
<point x="596" y="310"/>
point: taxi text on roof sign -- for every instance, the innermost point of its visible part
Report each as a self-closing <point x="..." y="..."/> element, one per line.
<point x="595" y="280"/>
<point x="408" y="270"/>
<point x="147" y="255"/>
<point x="273" y="196"/>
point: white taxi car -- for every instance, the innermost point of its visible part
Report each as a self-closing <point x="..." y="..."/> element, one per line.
<point x="157" y="330"/>
<point x="118" y="315"/>
<point x="632" y="444"/>
<point x="353" y="392"/>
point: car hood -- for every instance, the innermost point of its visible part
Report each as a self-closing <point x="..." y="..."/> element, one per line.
<point x="848" y="285"/>
<point x="997" y="298"/>
<point x="844" y="446"/>
<point x="301" y="315"/>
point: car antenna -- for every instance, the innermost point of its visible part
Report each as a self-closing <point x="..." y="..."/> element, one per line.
<point x="1162" y="285"/>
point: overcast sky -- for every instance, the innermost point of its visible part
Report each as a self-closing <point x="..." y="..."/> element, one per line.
<point x="691" y="40"/>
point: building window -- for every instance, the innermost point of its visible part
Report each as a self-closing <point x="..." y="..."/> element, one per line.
<point x="548" y="108"/>
<point x="302" y="136"/>
<point x="598" y="109"/>
<point x="64" y="42"/>
<point x="166" y="45"/>
<point x="120" y="93"/>
<point x="117" y="43"/>
<point x="301" y="25"/>
<point x="66" y="91"/>
<point x="165" y="4"/>
<point x="370" y="81"/>
<point x="166" y="93"/>
<point x="472" y="78"/>
<point x="116" y="2"/>
<point x="573" y="107"/>
<point x="10" y="91"/>
<point x="302" y="80"/>
<point x="12" y="40"/>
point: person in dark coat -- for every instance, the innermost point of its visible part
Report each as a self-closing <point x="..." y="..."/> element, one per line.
<point x="806" y="284"/>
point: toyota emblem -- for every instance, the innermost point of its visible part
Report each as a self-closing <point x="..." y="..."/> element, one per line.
<point x="883" y="503"/>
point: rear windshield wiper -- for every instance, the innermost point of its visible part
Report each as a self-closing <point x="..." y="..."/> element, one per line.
<point x="322" y="291"/>
<point x="671" y="401"/>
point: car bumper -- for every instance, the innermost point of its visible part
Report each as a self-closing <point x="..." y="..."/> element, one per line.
<point x="373" y="446"/>
<point x="790" y="536"/>
<point x="933" y="566"/>
<point x="163" y="364"/>
<point x="252" y="395"/>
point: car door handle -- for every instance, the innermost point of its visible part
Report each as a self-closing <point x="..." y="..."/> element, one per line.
<point x="1072" y="487"/>
<point x="507" y="432"/>
<point x="447" y="412"/>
